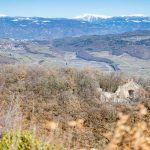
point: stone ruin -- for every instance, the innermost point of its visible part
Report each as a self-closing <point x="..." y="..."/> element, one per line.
<point x="127" y="93"/>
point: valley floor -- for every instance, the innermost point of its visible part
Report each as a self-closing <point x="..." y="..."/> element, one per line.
<point x="126" y="63"/>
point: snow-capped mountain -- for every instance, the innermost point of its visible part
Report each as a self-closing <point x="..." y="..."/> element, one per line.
<point x="53" y="28"/>
<point x="3" y="15"/>
<point x="95" y="18"/>
<point x="91" y="17"/>
<point x="134" y="15"/>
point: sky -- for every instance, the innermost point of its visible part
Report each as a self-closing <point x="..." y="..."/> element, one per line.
<point x="72" y="8"/>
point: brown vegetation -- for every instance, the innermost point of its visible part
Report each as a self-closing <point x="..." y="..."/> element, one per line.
<point x="63" y="107"/>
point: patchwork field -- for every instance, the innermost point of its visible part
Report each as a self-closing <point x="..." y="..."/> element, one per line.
<point x="127" y="63"/>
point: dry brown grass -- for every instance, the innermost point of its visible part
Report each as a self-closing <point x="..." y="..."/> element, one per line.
<point x="131" y="136"/>
<point x="61" y="106"/>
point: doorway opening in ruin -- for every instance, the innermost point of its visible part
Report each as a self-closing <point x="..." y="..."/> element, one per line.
<point x="131" y="93"/>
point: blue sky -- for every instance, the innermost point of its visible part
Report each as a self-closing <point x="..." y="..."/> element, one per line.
<point x="72" y="8"/>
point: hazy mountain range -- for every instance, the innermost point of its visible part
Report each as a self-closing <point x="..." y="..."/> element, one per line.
<point x="52" y="28"/>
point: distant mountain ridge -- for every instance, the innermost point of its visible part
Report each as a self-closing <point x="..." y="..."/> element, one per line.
<point x="96" y="17"/>
<point x="54" y="28"/>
